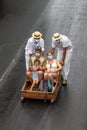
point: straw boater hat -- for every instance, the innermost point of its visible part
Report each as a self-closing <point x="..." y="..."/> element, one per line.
<point x="56" y="36"/>
<point x="36" y="34"/>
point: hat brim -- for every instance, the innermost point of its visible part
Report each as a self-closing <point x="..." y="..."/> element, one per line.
<point x="35" y="36"/>
<point x="55" y="39"/>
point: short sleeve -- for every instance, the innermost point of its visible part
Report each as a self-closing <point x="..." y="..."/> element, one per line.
<point x="44" y="62"/>
<point x="66" y="42"/>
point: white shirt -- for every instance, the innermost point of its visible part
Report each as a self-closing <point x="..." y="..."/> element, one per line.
<point x="31" y="44"/>
<point x="64" y="42"/>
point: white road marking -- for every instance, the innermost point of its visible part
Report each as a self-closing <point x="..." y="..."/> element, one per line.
<point x="11" y="66"/>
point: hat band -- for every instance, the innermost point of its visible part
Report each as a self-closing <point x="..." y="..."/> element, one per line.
<point x="36" y="35"/>
<point x="57" y="37"/>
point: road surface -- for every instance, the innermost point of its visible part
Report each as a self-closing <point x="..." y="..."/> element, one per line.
<point x="18" y="19"/>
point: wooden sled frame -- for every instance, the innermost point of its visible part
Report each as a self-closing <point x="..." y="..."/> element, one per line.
<point x="25" y="93"/>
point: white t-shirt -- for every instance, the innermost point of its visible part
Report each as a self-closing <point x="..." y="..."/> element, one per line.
<point x="64" y="42"/>
<point x="31" y="44"/>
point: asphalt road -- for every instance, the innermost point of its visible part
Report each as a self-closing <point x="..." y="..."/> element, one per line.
<point x="18" y="19"/>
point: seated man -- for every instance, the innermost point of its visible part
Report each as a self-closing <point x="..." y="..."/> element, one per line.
<point x="39" y="68"/>
<point x="52" y="67"/>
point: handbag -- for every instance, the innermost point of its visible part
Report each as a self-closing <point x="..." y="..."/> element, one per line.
<point x="40" y="86"/>
<point x="45" y="86"/>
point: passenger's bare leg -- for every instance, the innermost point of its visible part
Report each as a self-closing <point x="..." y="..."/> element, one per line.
<point x="33" y="84"/>
<point x="52" y="76"/>
<point x="29" y="76"/>
<point x="45" y="76"/>
<point x="40" y="75"/>
<point x="36" y="82"/>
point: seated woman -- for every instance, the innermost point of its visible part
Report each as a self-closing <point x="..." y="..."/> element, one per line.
<point x="52" y="67"/>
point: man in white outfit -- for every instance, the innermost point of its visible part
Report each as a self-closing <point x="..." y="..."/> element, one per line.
<point x="35" y="40"/>
<point x="64" y="53"/>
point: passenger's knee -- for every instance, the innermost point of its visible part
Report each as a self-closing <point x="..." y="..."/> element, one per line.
<point x="40" y="72"/>
<point x="50" y="75"/>
<point x="28" y="73"/>
<point x="45" y="75"/>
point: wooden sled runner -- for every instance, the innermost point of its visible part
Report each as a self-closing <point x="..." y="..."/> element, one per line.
<point x="35" y="94"/>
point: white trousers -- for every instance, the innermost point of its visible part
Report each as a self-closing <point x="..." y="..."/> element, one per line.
<point x="66" y="67"/>
<point x="27" y="61"/>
